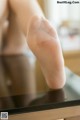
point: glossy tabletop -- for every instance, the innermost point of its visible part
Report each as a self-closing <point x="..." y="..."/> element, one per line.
<point x="19" y="83"/>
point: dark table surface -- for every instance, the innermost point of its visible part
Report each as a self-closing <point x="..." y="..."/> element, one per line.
<point x="17" y="95"/>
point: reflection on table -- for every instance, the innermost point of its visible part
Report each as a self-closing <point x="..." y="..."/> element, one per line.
<point x="22" y="84"/>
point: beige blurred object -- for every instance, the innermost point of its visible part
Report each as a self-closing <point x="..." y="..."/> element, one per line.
<point x="72" y="61"/>
<point x="41" y="3"/>
<point x="65" y="23"/>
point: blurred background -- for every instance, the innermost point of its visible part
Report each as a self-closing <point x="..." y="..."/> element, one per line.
<point x="66" y="19"/>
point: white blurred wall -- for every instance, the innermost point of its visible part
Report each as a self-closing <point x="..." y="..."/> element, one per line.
<point x="59" y="12"/>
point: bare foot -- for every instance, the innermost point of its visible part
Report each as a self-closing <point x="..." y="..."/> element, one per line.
<point x="44" y="42"/>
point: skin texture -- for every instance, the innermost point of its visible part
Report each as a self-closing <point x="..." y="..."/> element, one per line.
<point x="41" y="37"/>
<point x="44" y="42"/>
